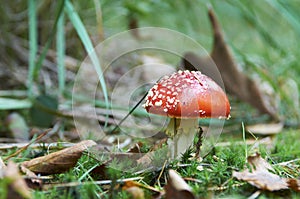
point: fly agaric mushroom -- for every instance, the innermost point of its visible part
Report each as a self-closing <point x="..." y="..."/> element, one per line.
<point x="185" y="96"/>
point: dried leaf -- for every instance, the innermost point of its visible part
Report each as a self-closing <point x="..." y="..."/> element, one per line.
<point x="235" y="82"/>
<point x="60" y="161"/>
<point x="31" y="179"/>
<point x="134" y="189"/>
<point x="131" y="183"/>
<point x="258" y="163"/>
<point x="265" y="129"/>
<point x="294" y="184"/>
<point x="262" y="178"/>
<point x="133" y="27"/>
<point x="177" y="188"/>
<point x="136" y="192"/>
<point x="16" y="185"/>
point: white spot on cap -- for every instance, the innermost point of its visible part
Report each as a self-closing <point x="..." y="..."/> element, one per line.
<point x="158" y="103"/>
<point x="155" y="87"/>
<point x="150" y="93"/>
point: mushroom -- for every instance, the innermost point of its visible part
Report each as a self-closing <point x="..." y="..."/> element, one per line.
<point x="185" y="96"/>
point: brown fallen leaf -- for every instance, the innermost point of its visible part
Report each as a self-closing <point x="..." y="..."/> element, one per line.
<point x="235" y="81"/>
<point x="177" y="188"/>
<point x="294" y="184"/>
<point x="260" y="176"/>
<point x="133" y="26"/>
<point x="15" y="184"/>
<point x="135" y="189"/>
<point x="135" y="192"/>
<point x="60" y="161"/>
<point x="31" y="179"/>
<point x="265" y="129"/>
<point x="131" y="183"/>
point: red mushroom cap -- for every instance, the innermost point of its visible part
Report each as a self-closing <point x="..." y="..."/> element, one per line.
<point x="187" y="94"/>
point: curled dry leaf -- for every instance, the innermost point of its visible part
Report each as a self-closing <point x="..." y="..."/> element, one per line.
<point x="177" y="188"/>
<point x="60" y="161"/>
<point x="235" y="81"/>
<point x="15" y="184"/>
<point x="262" y="178"/>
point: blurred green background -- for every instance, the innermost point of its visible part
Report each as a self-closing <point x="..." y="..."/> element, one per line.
<point x="56" y="36"/>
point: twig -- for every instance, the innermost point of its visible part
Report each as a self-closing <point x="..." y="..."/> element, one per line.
<point x="266" y="141"/>
<point x="35" y="145"/>
<point x="75" y="184"/>
<point x="26" y="146"/>
<point x="288" y="162"/>
<point x="161" y="172"/>
<point x="222" y="188"/>
<point x="193" y="180"/>
<point x="128" y="114"/>
<point x="255" y="195"/>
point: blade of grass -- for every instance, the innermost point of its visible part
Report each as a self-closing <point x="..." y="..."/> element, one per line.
<point x="246" y="11"/>
<point x="99" y="19"/>
<point x="50" y="38"/>
<point x="286" y="14"/>
<point x="244" y="139"/>
<point x="8" y="103"/>
<point x="60" y="48"/>
<point x="82" y="33"/>
<point x="13" y="93"/>
<point x="32" y="44"/>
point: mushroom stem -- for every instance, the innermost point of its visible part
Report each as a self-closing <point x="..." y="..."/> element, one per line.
<point x="181" y="133"/>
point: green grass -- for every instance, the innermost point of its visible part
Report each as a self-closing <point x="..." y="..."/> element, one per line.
<point x="213" y="178"/>
<point x="32" y="43"/>
<point x="216" y="172"/>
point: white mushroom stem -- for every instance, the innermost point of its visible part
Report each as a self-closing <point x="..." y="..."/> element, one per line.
<point x="182" y="133"/>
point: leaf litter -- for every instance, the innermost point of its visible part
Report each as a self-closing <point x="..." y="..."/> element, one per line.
<point x="60" y="161"/>
<point x="261" y="175"/>
<point x="14" y="182"/>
